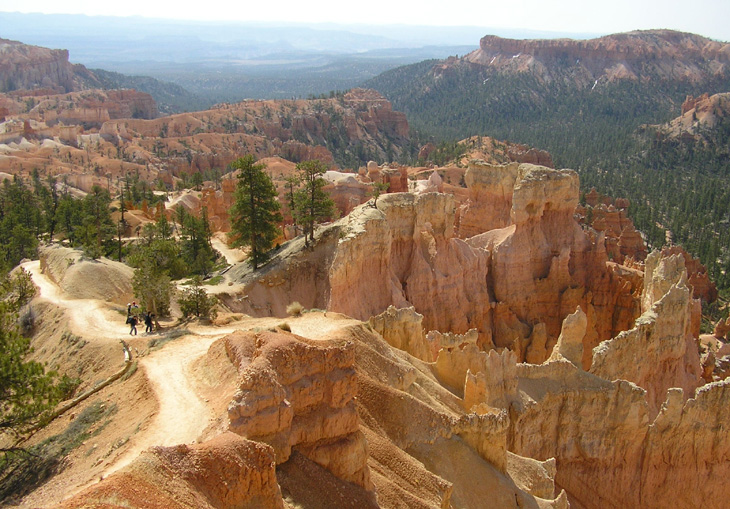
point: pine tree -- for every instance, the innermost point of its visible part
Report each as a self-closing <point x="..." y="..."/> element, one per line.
<point x="27" y="392"/>
<point x="255" y="213"/>
<point x="311" y="203"/>
<point x="98" y="226"/>
<point x="196" y="301"/>
<point x="196" y="248"/>
<point x="152" y="287"/>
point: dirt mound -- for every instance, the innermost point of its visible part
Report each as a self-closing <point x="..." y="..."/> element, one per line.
<point x="82" y="278"/>
<point x="228" y="471"/>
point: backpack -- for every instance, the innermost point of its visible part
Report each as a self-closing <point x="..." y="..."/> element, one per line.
<point x="129" y="320"/>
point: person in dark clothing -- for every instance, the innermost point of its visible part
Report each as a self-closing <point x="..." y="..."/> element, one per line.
<point x="148" y="322"/>
<point x="132" y="321"/>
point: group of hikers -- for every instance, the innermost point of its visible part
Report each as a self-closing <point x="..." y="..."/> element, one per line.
<point x="133" y="318"/>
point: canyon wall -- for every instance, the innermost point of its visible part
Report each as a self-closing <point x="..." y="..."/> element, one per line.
<point x="513" y="284"/>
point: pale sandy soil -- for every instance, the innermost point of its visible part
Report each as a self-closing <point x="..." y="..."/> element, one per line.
<point x="232" y="255"/>
<point x="182" y="415"/>
<point x="87" y="315"/>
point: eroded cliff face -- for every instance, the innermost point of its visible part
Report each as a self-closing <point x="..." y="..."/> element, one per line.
<point x="298" y="396"/>
<point x="490" y="198"/>
<point x="663" y="338"/>
<point x="378" y="423"/>
<point x="543" y="266"/>
<point x="28" y="67"/>
<point x="613" y="57"/>
<point x="411" y="258"/>
<point x="514" y="284"/>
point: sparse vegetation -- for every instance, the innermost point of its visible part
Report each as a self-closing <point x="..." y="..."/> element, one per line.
<point x="22" y="470"/>
<point x="294" y="309"/>
<point x="171" y="335"/>
<point x="28" y="392"/>
<point x="195" y="301"/>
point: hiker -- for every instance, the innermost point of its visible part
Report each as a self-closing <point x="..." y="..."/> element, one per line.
<point x="132" y="321"/>
<point x="148" y="322"/>
<point x="132" y="307"/>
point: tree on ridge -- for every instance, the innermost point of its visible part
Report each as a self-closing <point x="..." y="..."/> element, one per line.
<point x="255" y="212"/>
<point x="311" y="202"/>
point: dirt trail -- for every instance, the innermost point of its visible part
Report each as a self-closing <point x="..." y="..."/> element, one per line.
<point x="88" y="316"/>
<point x="182" y="415"/>
<point x="232" y="255"/>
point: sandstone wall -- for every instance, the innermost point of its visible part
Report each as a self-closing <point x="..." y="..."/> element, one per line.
<point x="298" y="395"/>
<point x="610" y="453"/>
<point x="663" y="337"/>
<point x="404" y="253"/>
<point x="490" y="198"/>
<point x="27" y="67"/>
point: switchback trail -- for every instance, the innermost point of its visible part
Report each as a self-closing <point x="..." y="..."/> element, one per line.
<point x="182" y="414"/>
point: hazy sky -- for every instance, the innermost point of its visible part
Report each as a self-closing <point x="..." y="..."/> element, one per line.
<point x="710" y="18"/>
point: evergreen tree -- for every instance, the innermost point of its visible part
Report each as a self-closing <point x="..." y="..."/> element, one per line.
<point x="292" y="182"/>
<point x="27" y="392"/>
<point x="98" y="227"/>
<point x="255" y="211"/>
<point x="196" y="248"/>
<point x="196" y="301"/>
<point x="378" y="189"/>
<point x="20" y="223"/>
<point x="152" y="287"/>
<point x="311" y="203"/>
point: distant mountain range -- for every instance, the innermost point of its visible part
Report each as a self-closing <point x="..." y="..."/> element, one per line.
<point x="231" y="61"/>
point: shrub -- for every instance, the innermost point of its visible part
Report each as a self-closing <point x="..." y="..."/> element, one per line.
<point x="196" y="301"/>
<point x="294" y="309"/>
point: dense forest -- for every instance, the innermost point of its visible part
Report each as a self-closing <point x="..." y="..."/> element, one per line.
<point x="602" y="132"/>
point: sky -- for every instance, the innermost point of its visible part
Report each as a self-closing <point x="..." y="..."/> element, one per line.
<point x="710" y="18"/>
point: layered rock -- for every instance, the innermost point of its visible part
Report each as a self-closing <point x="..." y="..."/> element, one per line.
<point x="412" y="259"/>
<point x="615" y="57"/>
<point x="402" y="328"/>
<point x="663" y="337"/>
<point x="697" y="277"/>
<point x="640" y="462"/>
<point x="570" y="341"/>
<point x="27" y="67"/>
<point x="403" y="408"/>
<point x="688" y="445"/>
<point x="698" y="114"/>
<point x="543" y="265"/>
<point x="297" y="395"/>
<point x="604" y="443"/>
<point x="490" y="198"/>
<point x="504" y="283"/>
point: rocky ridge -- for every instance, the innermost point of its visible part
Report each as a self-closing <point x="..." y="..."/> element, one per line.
<point x="664" y="53"/>
<point x="33" y="67"/>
